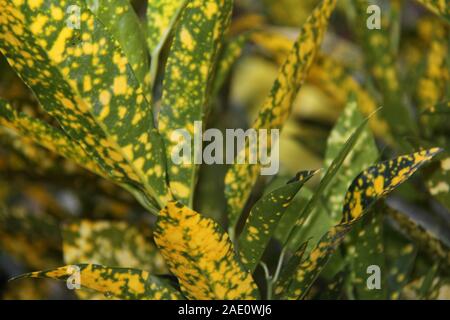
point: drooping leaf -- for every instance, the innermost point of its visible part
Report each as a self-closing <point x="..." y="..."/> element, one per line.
<point x="88" y="87"/>
<point x="368" y="187"/>
<point x="187" y="83"/>
<point x="276" y="108"/>
<point x="201" y="256"/>
<point x="121" y="283"/>
<point x="438" y="7"/>
<point x="110" y="243"/>
<point x="264" y="217"/>
<point x="123" y="23"/>
<point x="49" y="137"/>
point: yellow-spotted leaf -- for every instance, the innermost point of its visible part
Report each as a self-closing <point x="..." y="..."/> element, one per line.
<point x="120" y="283"/>
<point x="49" y="137"/>
<point x="186" y="87"/>
<point x="426" y="240"/>
<point x="368" y="187"/>
<point x="264" y="217"/>
<point x="337" y="81"/>
<point x="438" y="7"/>
<point x="230" y="53"/>
<point x="161" y="15"/>
<point x="110" y="243"/>
<point x="201" y="256"/>
<point x="380" y="61"/>
<point x="82" y="78"/>
<point x="123" y="23"/>
<point x="277" y="106"/>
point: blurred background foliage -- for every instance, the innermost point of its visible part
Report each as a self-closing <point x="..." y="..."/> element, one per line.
<point x="404" y="68"/>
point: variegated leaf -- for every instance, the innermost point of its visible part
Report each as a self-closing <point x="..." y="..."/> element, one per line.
<point x="363" y="154"/>
<point x="201" y="256"/>
<point x="187" y="83"/>
<point x="338" y="82"/>
<point x="230" y="53"/>
<point x="121" y="283"/>
<point x="426" y="240"/>
<point x="123" y="23"/>
<point x="380" y="61"/>
<point x="264" y="217"/>
<point x="276" y="108"/>
<point x="47" y="136"/>
<point x="110" y="243"/>
<point x="89" y="87"/>
<point x="368" y="187"/>
<point x="161" y="15"/>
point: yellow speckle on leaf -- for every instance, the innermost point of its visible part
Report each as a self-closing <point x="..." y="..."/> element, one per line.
<point x="105" y="97"/>
<point x="120" y="85"/>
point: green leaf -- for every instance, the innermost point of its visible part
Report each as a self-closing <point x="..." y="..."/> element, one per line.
<point x="368" y="187"/>
<point x="187" y="83"/>
<point x="264" y="217"/>
<point x="438" y="7"/>
<point x="89" y="87"/>
<point x="123" y="23"/>
<point x="201" y="256"/>
<point x="277" y="106"/>
<point x="47" y="136"/>
<point x="121" y="283"/>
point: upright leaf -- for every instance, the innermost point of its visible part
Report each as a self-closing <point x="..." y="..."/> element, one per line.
<point x="121" y="283"/>
<point x="276" y="108"/>
<point x="380" y="61"/>
<point x="264" y="217"/>
<point x="161" y="15"/>
<point x="123" y="23"/>
<point x="201" y="256"/>
<point x="187" y="83"/>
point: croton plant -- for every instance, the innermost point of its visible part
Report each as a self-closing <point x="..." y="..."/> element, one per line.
<point x="93" y="92"/>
